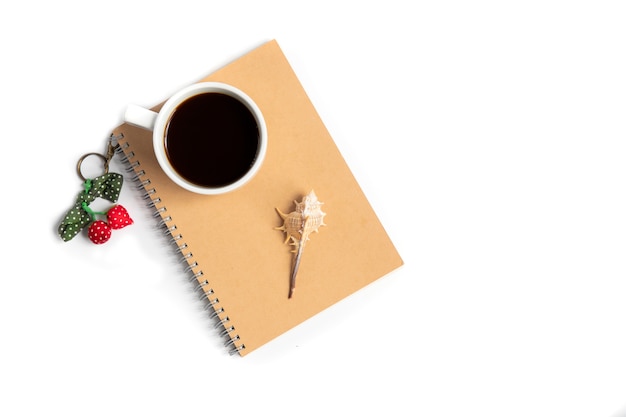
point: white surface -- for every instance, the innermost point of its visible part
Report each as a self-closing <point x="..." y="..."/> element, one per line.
<point x="490" y="137"/>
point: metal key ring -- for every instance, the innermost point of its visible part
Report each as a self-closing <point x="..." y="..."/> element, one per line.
<point x="82" y="159"/>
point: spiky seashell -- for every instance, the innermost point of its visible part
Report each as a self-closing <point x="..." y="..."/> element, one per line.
<point x="298" y="226"/>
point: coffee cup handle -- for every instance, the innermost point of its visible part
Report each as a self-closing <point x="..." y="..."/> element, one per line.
<point x="139" y="116"/>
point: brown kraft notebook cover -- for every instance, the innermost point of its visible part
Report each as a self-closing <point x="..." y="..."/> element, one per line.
<point x="230" y="241"/>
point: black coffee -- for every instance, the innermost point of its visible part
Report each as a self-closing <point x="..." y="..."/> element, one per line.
<point x="212" y="139"/>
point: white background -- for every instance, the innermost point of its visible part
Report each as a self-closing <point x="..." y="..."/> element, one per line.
<point x="489" y="136"/>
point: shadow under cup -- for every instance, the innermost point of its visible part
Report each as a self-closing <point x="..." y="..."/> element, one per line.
<point x="212" y="139"/>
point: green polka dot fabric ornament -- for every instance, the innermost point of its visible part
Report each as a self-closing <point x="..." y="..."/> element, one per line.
<point x="107" y="186"/>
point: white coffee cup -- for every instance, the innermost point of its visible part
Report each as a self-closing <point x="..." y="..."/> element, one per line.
<point x="159" y="124"/>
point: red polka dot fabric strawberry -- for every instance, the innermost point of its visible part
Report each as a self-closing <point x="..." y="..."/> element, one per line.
<point x="100" y="225"/>
<point x="99" y="232"/>
<point x="118" y="217"/>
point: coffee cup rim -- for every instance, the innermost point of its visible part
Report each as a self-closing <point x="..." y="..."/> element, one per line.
<point x="191" y="91"/>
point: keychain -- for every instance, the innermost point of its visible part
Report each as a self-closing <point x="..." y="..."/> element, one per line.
<point x="107" y="186"/>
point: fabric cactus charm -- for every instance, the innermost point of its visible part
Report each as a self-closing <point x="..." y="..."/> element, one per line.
<point x="107" y="186"/>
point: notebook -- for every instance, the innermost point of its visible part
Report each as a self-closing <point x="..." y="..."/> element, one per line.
<point x="235" y="255"/>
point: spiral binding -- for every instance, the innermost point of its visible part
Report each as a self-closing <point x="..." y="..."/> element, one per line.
<point x="165" y="222"/>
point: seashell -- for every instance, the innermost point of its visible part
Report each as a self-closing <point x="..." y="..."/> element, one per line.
<point x="298" y="226"/>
